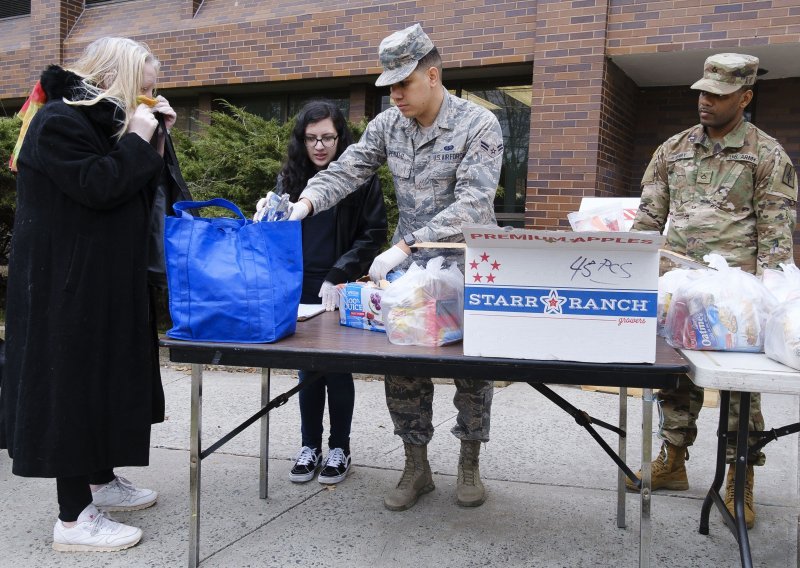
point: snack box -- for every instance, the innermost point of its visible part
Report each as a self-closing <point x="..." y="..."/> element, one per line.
<point x="360" y="306"/>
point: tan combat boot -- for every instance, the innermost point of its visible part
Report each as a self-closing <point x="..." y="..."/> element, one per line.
<point x="749" y="507"/>
<point x="415" y="481"/>
<point x="469" y="488"/>
<point x="668" y="470"/>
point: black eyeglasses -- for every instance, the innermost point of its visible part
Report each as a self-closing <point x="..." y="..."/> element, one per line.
<point x="327" y="141"/>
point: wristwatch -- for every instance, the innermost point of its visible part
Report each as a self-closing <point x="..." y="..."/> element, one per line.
<point x="410" y="240"/>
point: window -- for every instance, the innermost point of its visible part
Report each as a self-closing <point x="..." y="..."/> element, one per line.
<point x="511" y="104"/>
<point x="11" y="8"/>
<point x="284" y="107"/>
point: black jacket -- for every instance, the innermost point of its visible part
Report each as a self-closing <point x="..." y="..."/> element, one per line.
<point x="81" y="383"/>
<point x="361" y="231"/>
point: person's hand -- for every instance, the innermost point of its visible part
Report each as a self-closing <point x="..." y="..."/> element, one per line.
<point x="385" y="261"/>
<point x="299" y="211"/>
<point x="330" y="296"/>
<point x="162" y="105"/>
<point x="143" y="123"/>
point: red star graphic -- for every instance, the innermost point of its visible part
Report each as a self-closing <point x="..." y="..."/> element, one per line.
<point x="553" y="302"/>
<point x="490" y="278"/>
<point x="474" y="265"/>
<point x="477" y="278"/>
<point x="484" y="257"/>
<point x="495" y="265"/>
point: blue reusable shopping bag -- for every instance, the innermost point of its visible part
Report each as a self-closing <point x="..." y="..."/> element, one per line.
<point x="230" y="279"/>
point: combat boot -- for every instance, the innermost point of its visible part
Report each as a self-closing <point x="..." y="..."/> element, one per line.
<point x="749" y="507"/>
<point x="469" y="488"/>
<point x="415" y="481"/>
<point x="668" y="470"/>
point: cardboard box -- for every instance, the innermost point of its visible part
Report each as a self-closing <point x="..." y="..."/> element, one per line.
<point x="558" y="295"/>
<point x="360" y="306"/>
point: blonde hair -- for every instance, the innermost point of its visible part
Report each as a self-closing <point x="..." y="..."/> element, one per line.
<point x="112" y="69"/>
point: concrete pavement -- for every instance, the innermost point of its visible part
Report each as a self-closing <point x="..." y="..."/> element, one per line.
<point x="551" y="492"/>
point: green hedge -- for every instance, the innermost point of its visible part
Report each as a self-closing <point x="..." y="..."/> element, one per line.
<point x="238" y="157"/>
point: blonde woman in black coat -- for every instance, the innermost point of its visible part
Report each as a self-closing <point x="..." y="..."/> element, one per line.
<point x="81" y="384"/>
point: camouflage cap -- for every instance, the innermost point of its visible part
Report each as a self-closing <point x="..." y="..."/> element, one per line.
<point x="726" y="73"/>
<point x="400" y="52"/>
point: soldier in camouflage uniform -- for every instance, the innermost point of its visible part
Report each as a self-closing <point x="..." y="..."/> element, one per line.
<point x="727" y="188"/>
<point x="445" y="155"/>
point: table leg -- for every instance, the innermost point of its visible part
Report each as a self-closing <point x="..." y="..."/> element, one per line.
<point x="645" y="530"/>
<point x="719" y="474"/>
<point x="622" y="451"/>
<point x="740" y="479"/>
<point x="263" y="474"/>
<point x="194" y="464"/>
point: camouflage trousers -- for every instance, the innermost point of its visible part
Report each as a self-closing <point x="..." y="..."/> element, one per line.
<point x="678" y="409"/>
<point x="410" y="402"/>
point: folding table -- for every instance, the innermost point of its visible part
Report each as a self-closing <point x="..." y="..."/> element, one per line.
<point x="744" y="373"/>
<point x="322" y="345"/>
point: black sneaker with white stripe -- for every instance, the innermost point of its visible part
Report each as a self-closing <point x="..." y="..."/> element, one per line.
<point x="306" y="464"/>
<point x="336" y="468"/>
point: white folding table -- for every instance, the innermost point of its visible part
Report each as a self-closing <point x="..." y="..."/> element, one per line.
<point x="744" y="373"/>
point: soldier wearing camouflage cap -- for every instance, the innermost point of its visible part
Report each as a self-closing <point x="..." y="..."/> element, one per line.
<point x="726" y="187"/>
<point x="445" y="156"/>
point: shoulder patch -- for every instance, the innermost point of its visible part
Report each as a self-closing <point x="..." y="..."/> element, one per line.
<point x="491" y="149"/>
<point x="788" y="176"/>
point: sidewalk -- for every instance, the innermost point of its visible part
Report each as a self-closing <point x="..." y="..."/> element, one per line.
<point x="551" y="492"/>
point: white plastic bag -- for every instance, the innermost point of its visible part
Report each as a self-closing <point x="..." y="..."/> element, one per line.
<point x="425" y="306"/>
<point x="606" y="218"/>
<point x="721" y="310"/>
<point x="668" y="284"/>
<point x="782" y="336"/>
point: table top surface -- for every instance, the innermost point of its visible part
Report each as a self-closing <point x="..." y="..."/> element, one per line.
<point x="321" y="344"/>
<point x="751" y="372"/>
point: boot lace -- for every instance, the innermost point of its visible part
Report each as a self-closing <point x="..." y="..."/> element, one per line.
<point x="730" y="489"/>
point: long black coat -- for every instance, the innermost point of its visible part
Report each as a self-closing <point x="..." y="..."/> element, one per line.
<point x="81" y="385"/>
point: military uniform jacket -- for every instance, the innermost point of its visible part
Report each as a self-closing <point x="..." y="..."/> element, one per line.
<point x="736" y="198"/>
<point x="442" y="178"/>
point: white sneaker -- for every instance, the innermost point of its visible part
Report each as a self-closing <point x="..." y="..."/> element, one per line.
<point x="121" y="495"/>
<point x="95" y="532"/>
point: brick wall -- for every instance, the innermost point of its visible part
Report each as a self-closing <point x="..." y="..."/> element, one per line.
<point x="566" y="105"/>
<point x="617" y="131"/>
<point x="641" y="26"/>
<point x="264" y="41"/>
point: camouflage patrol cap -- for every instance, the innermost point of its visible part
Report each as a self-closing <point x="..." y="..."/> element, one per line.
<point x="726" y="73"/>
<point x="400" y="52"/>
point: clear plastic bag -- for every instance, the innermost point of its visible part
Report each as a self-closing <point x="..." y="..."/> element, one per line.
<point x="668" y="284"/>
<point x="721" y="310"/>
<point x="607" y="218"/>
<point x="425" y="306"/>
<point x="782" y="336"/>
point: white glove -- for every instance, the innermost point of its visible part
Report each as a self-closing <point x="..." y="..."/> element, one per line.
<point x="261" y="208"/>
<point x="298" y="211"/>
<point x="385" y="261"/>
<point x="330" y="296"/>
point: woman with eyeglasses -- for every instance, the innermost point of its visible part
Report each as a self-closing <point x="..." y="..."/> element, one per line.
<point x="338" y="246"/>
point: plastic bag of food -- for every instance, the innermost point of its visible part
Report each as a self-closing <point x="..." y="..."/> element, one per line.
<point x="723" y="309"/>
<point x="782" y="336"/>
<point x="668" y="284"/>
<point x="608" y="218"/>
<point x="425" y="306"/>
